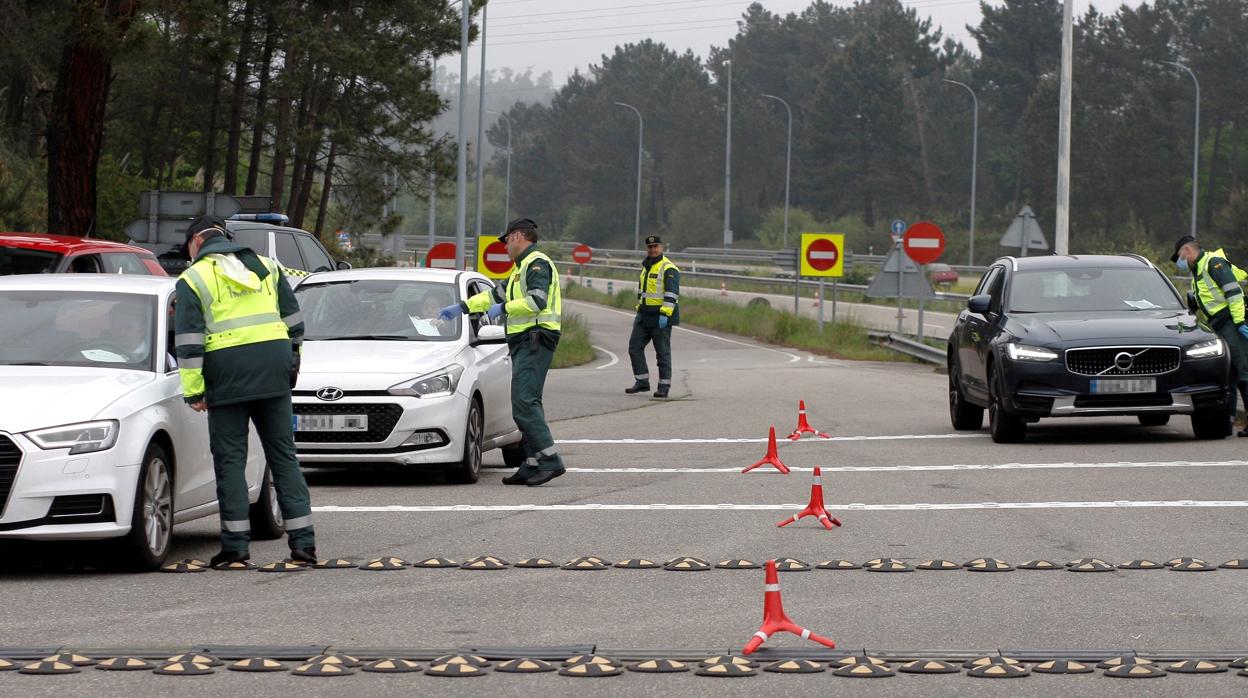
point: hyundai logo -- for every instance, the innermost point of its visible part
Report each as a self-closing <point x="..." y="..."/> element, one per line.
<point x="1123" y="361"/>
<point x="329" y="394"/>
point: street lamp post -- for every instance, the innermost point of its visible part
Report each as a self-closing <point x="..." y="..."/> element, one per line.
<point x="1061" y="232"/>
<point x="507" y="197"/>
<point x="433" y="178"/>
<point x="481" y="125"/>
<point x="461" y="161"/>
<point x="1195" y="142"/>
<point x="641" y="125"/>
<point x="788" y="161"/>
<point x="974" y="162"/>
<point x="728" y="165"/>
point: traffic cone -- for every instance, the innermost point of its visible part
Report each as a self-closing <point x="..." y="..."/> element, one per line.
<point x="803" y="426"/>
<point x="723" y="288"/>
<point x="774" y="618"/>
<point x="772" y="458"/>
<point x="815" y="507"/>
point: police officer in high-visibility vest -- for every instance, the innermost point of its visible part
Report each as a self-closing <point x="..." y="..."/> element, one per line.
<point x="1220" y="300"/>
<point x="658" y="311"/>
<point x="532" y="305"/>
<point x="238" y="331"/>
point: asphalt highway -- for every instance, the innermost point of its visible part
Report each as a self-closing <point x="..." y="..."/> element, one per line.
<point x="660" y="479"/>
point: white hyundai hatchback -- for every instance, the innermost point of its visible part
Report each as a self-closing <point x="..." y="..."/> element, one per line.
<point x="95" y="439"/>
<point x="383" y="381"/>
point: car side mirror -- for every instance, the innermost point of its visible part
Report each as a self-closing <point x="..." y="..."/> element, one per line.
<point x="979" y="304"/>
<point x="342" y="265"/>
<point x="490" y="334"/>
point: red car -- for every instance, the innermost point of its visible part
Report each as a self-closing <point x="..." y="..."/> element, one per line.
<point x="942" y="274"/>
<point x="37" y="253"/>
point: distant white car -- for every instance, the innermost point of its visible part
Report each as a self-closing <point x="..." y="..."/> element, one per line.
<point x="95" y="439"/>
<point x="383" y="381"/>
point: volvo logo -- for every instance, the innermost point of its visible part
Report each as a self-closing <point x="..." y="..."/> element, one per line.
<point x="329" y="394"/>
<point x="1123" y="361"/>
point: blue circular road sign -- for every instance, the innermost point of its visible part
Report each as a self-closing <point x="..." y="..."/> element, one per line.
<point x="898" y="227"/>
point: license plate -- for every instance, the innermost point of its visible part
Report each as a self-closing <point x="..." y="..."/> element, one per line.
<point x="331" y="422"/>
<point x="1117" y="386"/>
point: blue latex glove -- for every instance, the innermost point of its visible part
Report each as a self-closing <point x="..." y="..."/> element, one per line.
<point x="450" y="312"/>
<point x="1243" y="331"/>
<point x="494" y="311"/>
<point x="662" y="321"/>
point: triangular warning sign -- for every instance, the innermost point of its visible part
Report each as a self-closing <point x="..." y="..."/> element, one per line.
<point x="885" y="283"/>
<point x="1025" y="226"/>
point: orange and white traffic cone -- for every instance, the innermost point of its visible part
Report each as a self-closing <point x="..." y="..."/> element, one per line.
<point x="723" y="288"/>
<point x="774" y="618"/>
<point x="772" y="458"/>
<point x="815" y="507"/>
<point x="803" y="426"/>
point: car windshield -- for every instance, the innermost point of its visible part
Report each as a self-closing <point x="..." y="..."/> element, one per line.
<point x="382" y="309"/>
<point x="1090" y="290"/>
<point x="76" y="328"/>
<point x="20" y="260"/>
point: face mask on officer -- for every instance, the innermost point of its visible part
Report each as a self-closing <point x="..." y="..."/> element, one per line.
<point x="1181" y="265"/>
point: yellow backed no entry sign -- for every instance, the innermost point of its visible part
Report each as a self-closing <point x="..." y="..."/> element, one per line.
<point x="822" y="254"/>
<point x="492" y="259"/>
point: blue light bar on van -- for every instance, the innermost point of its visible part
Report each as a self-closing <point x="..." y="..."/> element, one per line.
<point x="275" y="218"/>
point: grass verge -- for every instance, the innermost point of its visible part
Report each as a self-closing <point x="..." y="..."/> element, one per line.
<point x="574" y="344"/>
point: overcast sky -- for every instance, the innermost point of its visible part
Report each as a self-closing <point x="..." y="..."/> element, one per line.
<point x="562" y="35"/>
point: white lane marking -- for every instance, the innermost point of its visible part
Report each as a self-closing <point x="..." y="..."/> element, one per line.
<point x="779" y="439"/>
<point x="614" y="359"/>
<point x="930" y="468"/>
<point x="792" y="357"/>
<point x="950" y="506"/>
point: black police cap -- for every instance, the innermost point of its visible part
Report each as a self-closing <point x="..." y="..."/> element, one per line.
<point x="653" y="240"/>
<point x="518" y="224"/>
<point x="203" y="223"/>
<point x="1182" y="241"/>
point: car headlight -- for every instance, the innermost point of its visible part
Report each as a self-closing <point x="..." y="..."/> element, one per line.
<point x="86" y="437"/>
<point x="439" y="383"/>
<point x="1206" y="350"/>
<point x="1022" y="352"/>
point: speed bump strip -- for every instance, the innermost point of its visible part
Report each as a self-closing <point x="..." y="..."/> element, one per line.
<point x="339" y="659"/>
<point x="728" y="659"/>
<point x="999" y="671"/>
<point x="322" y="670"/>
<point x="737" y="565"/>
<point x="838" y="565"/>
<point x="1039" y="565"/>
<point x="484" y="564"/>
<point x="1141" y="565"/>
<point x="591" y="671"/>
<point x="1091" y="566"/>
<point x="726" y="670"/>
<point x="1122" y="661"/>
<point x="391" y="666"/>
<point x="384" y="564"/>
<point x="1087" y="561"/>
<point x="1062" y="666"/>
<point x="1182" y="561"/>
<point x="525" y="666"/>
<point x="1195" y="666"/>
<point x="855" y="660"/>
<point x="536" y="562"/>
<point x="637" y="563"/>
<point x="47" y="667"/>
<point x="889" y="566"/>
<point x="196" y="659"/>
<point x="469" y="659"/>
<point x="125" y="664"/>
<point x="435" y="563"/>
<point x="335" y="563"/>
<point x="183" y="669"/>
<point x="583" y="563"/>
<point x="988" y="661"/>
<point x="881" y="561"/>
<point x="929" y="666"/>
<point x="182" y="567"/>
<point x="1136" y="671"/>
<point x="6" y="665"/>
<point x="791" y="564"/>
<point x="687" y="564"/>
<point x="235" y="566"/>
<point x="795" y="666"/>
<point x="988" y="564"/>
<point x="256" y="665"/>
<point x="195" y="561"/>
<point x="491" y="558"/>
<point x="1241" y="663"/>
<point x="938" y="565"/>
<point x="589" y="659"/>
<point x="68" y="658"/>
<point x="864" y="671"/>
<point x="1192" y="566"/>
<point x="454" y="670"/>
<point x="283" y="567"/>
<point x="659" y="666"/>
<point x="1234" y="565"/>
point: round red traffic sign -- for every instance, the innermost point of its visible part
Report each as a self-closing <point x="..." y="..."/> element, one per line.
<point x="582" y="254"/>
<point x="924" y="242"/>
<point x="822" y="254"/>
<point x="495" y="258"/>
<point x="441" y="256"/>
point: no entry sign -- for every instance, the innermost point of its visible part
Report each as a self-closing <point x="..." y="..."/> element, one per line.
<point x="441" y="256"/>
<point x="582" y="254"/>
<point x="492" y="259"/>
<point x="822" y="254"/>
<point x="924" y="242"/>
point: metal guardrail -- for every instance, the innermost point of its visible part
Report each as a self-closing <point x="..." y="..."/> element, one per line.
<point x="907" y="346"/>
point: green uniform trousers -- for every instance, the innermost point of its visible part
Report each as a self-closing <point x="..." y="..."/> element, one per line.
<point x="227" y="433"/>
<point x="646" y="330"/>
<point x="530" y="361"/>
<point x="1238" y="347"/>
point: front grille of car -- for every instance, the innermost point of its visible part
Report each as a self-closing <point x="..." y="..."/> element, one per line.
<point x="381" y="420"/>
<point x="1100" y="361"/>
<point x="10" y="457"/>
<point x="79" y="505"/>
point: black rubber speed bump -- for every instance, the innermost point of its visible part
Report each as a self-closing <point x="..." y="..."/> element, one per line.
<point x="929" y="666"/>
<point x="791" y="564"/>
<point x="391" y="666"/>
<point x="838" y="565"/>
<point x="334" y="563"/>
<point x="726" y="670"/>
<point x="1141" y="565"/>
<point x="125" y="664"/>
<point x="283" y="567"/>
<point x="536" y="562"/>
<point x="1191" y="565"/>
<point x="638" y="563"/>
<point x="1234" y="565"/>
<point x="195" y="658"/>
<point x="737" y="565"/>
<point x="590" y="564"/>
<point x="322" y="670"/>
<point x="864" y="671"/>
<point x="591" y="671"/>
<point x="999" y="671"/>
<point x="1062" y="666"/>
<point x="183" y="669"/>
<point x="182" y="567"/>
<point x="525" y="666"/>
<point x="1195" y="666"/>
<point x="597" y="559"/>
<point x="988" y="661"/>
<point x="1182" y="561"/>
<point x="887" y="565"/>
<point x="729" y="659"/>
<point x="236" y="566"/>
<point x="6" y="665"/>
<point x="1136" y="671"/>
<point x="256" y="665"/>
<point x="435" y="563"/>
<point x="1241" y="663"/>
<point x="795" y="666"/>
<point x="1091" y="566"/>
<point x="454" y="670"/>
<point x="1122" y="661"/>
<point x="484" y="564"/>
<point x="345" y="660"/>
<point x="384" y="564"/>
<point x="49" y="667"/>
<point x="687" y="564"/>
<point x="70" y="658"/>
<point x="589" y="659"/>
<point x="857" y="659"/>
<point x="1039" y="565"/>
<point x="659" y="666"/>
<point x="1087" y="561"/>
<point x="989" y="564"/>
<point x="934" y="565"/>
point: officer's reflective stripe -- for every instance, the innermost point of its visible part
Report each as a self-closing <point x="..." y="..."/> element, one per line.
<point x="298" y="522"/>
<point x="652" y="296"/>
<point x="293" y="319"/>
<point x="539" y="293"/>
<point x="669" y="294"/>
<point x="531" y="461"/>
<point x="669" y="305"/>
<point x="192" y="362"/>
<point x="548" y="316"/>
<point x="1233" y="286"/>
<point x="243" y="526"/>
<point x="548" y="452"/>
<point x="188" y="339"/>
<point x="642" y="376"/>
<point x="530" y="303"/>
<point x="241" y="322"/>
<point x="665" y="381"/>
<point x="201" y="289"/>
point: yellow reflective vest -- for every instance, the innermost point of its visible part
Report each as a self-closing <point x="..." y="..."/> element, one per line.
<point x="651" y="292"/>
<point x="1214" y="297"/>
<point x="520" y="303"/>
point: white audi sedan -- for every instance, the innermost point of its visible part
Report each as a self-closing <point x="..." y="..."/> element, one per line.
<point x="384" y="381"/>
<point x="95" y="439"/>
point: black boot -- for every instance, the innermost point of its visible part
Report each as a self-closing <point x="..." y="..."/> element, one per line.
<point x="661" y="392"/>
<point x="226" y="557"/>
<point x="516" y="479"/>
<point x="638" y="387"/>
<point x="303" y="556"/>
